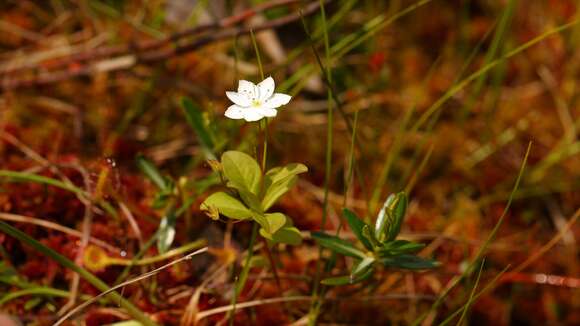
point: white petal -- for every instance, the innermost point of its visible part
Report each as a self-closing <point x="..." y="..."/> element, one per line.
<point x="266" y="88"/>
<point x="248" y="89"/>
<point x="277" y="100"/>
<point x="252" y="114"/>
<point x="239" y="98"/>
<point x="267" y="112"/>
<point x="235" y="112"/>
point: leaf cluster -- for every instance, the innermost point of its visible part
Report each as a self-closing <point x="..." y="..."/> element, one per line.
<point x="377" y="245"/>
<point x="252" y="193"/>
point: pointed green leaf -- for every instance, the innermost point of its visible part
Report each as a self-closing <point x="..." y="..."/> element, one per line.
<point x="398" y="210"/>
<point x="368" y="233"/>
<point x="278" y="181"/>
<point x="398" y="247"/>
<point x="409" y="262"/>
<point x="336" y="281"/>
<point x="362" y="267"/>
<point x="384" y="218"/>
<point x="194" y="117"/>
<point x="227" y="206"/>
<point x="344" y="280"/>
<point x="337" y="244"/>
<point x="357" y="225"/>
<point x="242" y="171"/>
<point x="391" y="216"/>
<point x="151" y="171"/>
<point x="166" y="232"/>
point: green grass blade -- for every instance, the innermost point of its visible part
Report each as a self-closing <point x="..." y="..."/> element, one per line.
<point x="496" y="45"/>
<point x="132" y="310"/>
<point x="461" y="85"/>
<point x="194" y="117"/>
<point x="483" y="247"/>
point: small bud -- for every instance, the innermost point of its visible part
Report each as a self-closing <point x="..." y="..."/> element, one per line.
<point x="211" y="211"/>
<point x="215" y="165"/>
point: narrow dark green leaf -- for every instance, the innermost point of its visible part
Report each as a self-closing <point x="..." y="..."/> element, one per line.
<point x="151" y="171"/>
<point x="409" y="262"/>
<point x="357" y="225"/>
<point x="337" y="244"/>
<point x="336" y="281"/>
<point x="194" y="117"/>
<point x="345" y="280"/>
<point x="398" y="247"/>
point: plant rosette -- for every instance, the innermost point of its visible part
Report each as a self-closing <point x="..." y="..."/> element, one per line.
<point x="377" y="246"/>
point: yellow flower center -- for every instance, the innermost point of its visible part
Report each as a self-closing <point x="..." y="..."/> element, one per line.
<point x="256" y="103"/>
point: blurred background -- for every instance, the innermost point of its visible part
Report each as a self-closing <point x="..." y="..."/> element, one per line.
<point x="447" y="95"/>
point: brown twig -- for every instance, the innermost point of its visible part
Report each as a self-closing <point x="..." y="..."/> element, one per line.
<point x="125" y="56"/>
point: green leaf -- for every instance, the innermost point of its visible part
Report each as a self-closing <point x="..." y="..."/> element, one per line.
<point x="278" y="181"/>
<point x="368" y="233"/>
<point x="409" y="262"/>
<point x="398" y="247"/>
<point x="194" y="117"/>
<point x="227" y="206"/>
<point x="242" y="171"/>
<point x="383" y="218"/>
<point x="398" y="210"/>
<point x="251" y="200"/>
<point x="288" y="234"/>
<point x="361" y="268"/>
<point x="271" y="223"/>
<point x="166" y="232"/>
<point x="390" y="218"/>
<point x="68" y="264"/>
<point x="151" y="171"/>
<point x="344" y="280"/>
<point x="31" y="303"/>
<point x="357" y="225"/>
<point x="336" y="281"/>
<point x="337" y="244"/>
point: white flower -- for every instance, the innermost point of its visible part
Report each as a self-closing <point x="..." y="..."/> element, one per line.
<point x="253" y="102"/>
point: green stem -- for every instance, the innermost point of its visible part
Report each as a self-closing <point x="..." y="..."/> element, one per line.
<point x="46" y="291"/>
<point x="65" y="262"/>
<point x="246" y="269"/>
<point x="31" y="177"/>
<point x="24" y="176"/>
<point x="151" y="260"/>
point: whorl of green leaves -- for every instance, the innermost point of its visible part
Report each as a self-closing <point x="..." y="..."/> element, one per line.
<point x="377" y="244"/>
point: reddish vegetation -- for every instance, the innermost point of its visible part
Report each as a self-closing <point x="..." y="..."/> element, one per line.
<point x="98" y="124"/>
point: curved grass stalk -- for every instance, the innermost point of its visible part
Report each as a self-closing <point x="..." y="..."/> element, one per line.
<point x="54" y="226"/>
<point x="136" y="279"/>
